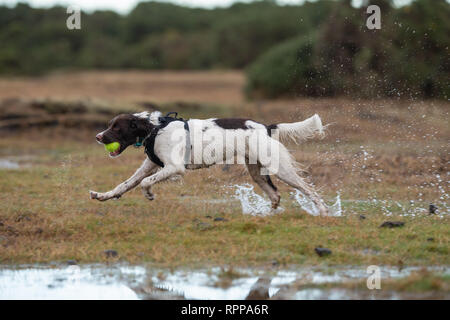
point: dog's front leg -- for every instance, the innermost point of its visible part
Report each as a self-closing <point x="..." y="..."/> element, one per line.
<point x="165" y="173"/>
<point x="145" y="170"/>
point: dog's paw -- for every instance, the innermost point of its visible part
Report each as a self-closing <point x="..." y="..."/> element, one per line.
<point x="99" y="196"/>
<point x="150" y="196"/>
<point x="93" y="194"/>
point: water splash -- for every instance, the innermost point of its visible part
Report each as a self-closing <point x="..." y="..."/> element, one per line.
<point x="336" y="208"/>
<point x="256" y="205"/>
<point x="306" y="204"/>
<point x="252" y="203"/>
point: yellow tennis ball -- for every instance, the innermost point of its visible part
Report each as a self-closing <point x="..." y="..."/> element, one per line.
<point x="112" y="147"/>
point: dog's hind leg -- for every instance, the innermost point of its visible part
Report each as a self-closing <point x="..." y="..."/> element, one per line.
<point x="287" y="173"/>
<point x="165" y="173"/>
<point x="145" y="170"/>
<point x="265" y="183"/>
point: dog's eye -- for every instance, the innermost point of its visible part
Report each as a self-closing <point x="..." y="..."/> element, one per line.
<point x="133" y="125"/>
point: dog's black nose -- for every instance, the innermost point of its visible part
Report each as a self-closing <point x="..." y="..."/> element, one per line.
<point x="99" y="137"/>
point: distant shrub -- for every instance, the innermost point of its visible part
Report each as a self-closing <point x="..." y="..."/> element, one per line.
<point x="286" y="69"/>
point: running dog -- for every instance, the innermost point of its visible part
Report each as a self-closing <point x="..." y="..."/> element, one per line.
<point x="174" y="145"/>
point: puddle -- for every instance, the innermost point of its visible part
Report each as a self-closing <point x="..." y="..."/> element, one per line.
<point x="70" y="282"/>
<point x="15" y="162"/>
<point x="8" y="164"/>
<point x="141" y="282"/>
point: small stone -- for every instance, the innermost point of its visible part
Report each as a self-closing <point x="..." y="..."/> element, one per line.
<point x="12" y="231"/>
<point x="392" y="224"/>
<point x="110" y="253"/>
<point x="209" y="217"/>
<point x="220" y="219"/>
<point x="322" y="251"/>
<point x="23" y="217"/>
<point x="71" y="262"/>
<point x="39" y="230"/>
<point x="2" y="224"/>
<point x="362" y="217"/>
<point x="275" y="262"/>
<point x="430" y="239"/>
<point x="432" y="209"/>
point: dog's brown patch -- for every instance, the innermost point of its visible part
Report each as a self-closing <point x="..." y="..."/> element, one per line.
<point x="232" y="123"/>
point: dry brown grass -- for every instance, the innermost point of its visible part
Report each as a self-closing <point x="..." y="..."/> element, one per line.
<point x="126" y="86"/>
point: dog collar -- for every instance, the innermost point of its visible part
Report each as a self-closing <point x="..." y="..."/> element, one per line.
<point x="139" y="141"/>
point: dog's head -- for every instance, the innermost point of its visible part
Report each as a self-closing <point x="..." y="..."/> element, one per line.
<point x="126" y="129"/>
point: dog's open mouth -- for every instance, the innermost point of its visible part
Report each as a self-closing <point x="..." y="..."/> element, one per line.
<point x="115" y="153"/>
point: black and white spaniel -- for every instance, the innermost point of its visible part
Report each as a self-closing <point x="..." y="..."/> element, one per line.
<point x="174" y="145"/>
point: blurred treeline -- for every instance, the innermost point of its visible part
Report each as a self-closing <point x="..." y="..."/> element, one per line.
<point x="318" y="48"/>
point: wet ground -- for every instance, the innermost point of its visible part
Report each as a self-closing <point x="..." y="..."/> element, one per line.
<point x="252" y="203"/>
<point x="143" y="282"/>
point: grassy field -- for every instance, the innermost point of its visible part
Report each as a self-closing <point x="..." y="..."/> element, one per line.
<point x="389" y="150"/>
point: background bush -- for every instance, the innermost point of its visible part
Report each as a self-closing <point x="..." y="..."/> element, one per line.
<point x="408" y="57"/>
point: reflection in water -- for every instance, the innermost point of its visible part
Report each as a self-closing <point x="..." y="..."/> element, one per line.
<point x="140" y="282"/>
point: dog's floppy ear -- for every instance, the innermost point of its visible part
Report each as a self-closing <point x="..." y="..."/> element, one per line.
<point x="133" y="124"/>
<point x="143" y="126"/>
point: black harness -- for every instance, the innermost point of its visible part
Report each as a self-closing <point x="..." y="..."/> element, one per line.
<point x="149" y="141"/>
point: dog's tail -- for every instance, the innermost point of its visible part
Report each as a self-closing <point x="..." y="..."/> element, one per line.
<point x="300" y="131"/>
